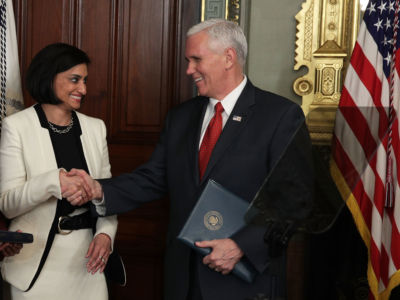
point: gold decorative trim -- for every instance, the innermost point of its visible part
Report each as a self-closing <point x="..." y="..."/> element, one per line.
<point x="308" y="32"/>
<point x="326" y="33"/>
<point x="232" y="10"/>
<point x="203" y="10"/>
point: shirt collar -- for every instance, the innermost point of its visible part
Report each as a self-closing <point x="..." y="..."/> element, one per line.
<point x="230" y="100"/>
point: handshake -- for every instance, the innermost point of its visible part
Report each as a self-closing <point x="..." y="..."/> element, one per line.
<point x="78" y="187"/>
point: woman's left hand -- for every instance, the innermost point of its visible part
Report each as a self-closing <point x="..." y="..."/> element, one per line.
<point x="98" y="253"/>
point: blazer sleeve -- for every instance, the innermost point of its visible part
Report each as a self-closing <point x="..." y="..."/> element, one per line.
<point x="144" y="184"/>
<point x="251" y="238"/>
<point x="17" y="193"/>
<point x="105" y="167"/>
<point x="107" y="225"/>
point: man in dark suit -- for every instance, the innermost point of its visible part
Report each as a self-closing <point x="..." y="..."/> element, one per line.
<point x="256" y="127"/>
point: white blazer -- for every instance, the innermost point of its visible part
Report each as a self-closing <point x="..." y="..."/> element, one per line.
<point x="30" y="185"/>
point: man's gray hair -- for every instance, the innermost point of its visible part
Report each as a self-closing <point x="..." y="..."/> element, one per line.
<point x="223" y="34"/>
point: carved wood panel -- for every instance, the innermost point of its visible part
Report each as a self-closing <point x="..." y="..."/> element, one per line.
<point x="142" y="98"/>
<point x="96" y="22"/>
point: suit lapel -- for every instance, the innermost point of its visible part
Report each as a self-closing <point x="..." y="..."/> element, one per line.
<point x="194" y="136"/>
<point x="234" y="125"/>
<point x="47" y="150"/>
<point x="86" y="141"/>
<point x="43" y="141"/>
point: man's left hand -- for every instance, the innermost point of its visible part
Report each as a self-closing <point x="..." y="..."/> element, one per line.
<point x="224" y="256"/>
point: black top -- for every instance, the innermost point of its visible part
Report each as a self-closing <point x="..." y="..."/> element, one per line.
<point x="67" y="149"/>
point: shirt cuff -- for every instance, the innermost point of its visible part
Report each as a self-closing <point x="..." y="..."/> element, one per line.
<point x="100" y="205"/>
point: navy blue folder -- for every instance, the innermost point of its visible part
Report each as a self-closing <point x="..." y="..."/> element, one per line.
<point x="218" y="214"/>
<point x="15" y="237"/>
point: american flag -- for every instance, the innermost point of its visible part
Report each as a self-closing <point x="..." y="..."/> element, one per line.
<point x="366" y="143"/>
<point x="10" y="83"/>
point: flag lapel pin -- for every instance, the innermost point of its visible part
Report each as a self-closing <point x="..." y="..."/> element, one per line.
<point x="237" y="118"/>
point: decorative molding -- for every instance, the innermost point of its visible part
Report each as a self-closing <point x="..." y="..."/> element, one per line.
<point x="211" y="9"/>
<point x="224" y="9"/>
<point x="326" y="33"/>
<point x="308" y="32"/>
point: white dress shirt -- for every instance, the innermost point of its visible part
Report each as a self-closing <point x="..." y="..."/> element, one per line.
<point x="228" y="103"/>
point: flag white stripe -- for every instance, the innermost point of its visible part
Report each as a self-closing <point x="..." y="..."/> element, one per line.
<point x="376" y="230"/>
<point x="366" y="106"/>
<point x="371" y="51"/>
<point x="350" y="145"/>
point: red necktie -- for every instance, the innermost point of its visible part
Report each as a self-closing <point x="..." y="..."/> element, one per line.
<point x="210" y="138"/>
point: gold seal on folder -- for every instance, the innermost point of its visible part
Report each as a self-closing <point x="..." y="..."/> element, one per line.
<point x="213" y="220"/>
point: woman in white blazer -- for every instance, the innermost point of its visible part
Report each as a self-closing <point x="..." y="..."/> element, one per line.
<point x="38" y="146"/>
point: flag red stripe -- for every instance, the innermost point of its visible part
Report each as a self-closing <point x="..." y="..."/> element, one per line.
<point x="364" y="202"/>
<point x="343" y="162"/>
<point x="353" y="179"/>
<point x="367" y="74"/>
<point x="384" y="265"/>
<point x="397" y="62"/>
<point x="356" y="121"/>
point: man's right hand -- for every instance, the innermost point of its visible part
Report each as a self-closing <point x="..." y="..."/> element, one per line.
<point x="92" y="187"/>
<point x="73" y="186"/>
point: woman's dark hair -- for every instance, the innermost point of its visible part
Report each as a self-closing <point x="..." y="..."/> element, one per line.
<point x="48" y="62"/>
